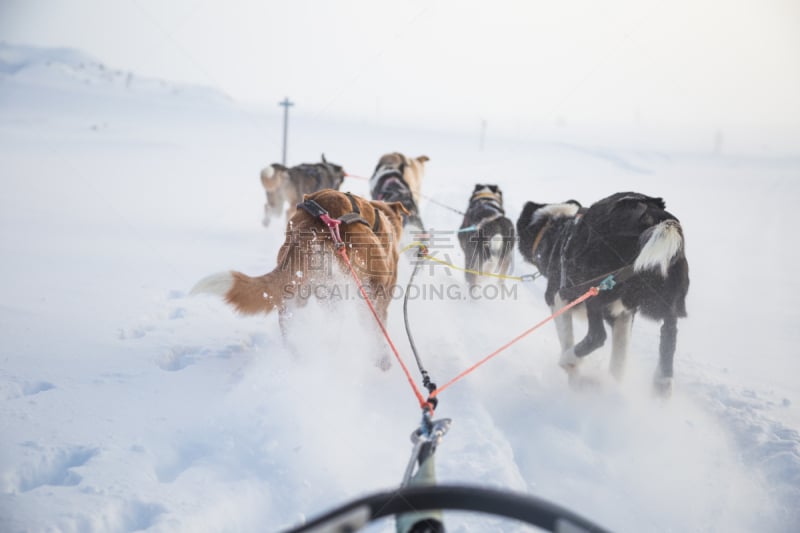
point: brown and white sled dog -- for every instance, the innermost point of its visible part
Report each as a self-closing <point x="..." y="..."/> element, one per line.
<point x="370" y="232"/>
<point x="628" y="234"/>
<point x="284" y="185"/>
<point x="398" y="178"/>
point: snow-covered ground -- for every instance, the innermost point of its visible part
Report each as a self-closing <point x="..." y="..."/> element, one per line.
<point x="127" y="405"/>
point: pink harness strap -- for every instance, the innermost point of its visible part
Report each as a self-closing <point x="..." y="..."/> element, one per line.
<point x="333" y="227"/>
<point x="316" y="210"/>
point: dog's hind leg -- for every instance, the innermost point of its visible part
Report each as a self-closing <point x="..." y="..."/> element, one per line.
<point x="563" y="324"/>
<point x="662" y="381"/>
<point x="621" y="326"/>
<point x="506" y="255"/>
<point x="566" y="338"/>
<point x="381" y="300"/>
<point x="267" y="213"/>
<point x="473" y="263"/>
<point x="594" y="338"/>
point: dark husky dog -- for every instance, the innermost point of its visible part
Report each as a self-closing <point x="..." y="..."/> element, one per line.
<point x="283" y="185"/>
<point x="628" y="234"/>
<point x="486" y="235"/>
<point x="398" y="178"/>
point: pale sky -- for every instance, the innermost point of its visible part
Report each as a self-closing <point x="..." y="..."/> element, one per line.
<point x="712" y="63"/>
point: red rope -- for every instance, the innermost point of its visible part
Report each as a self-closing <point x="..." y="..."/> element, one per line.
<point x="422" y="402"/>
<point x="588" y="294"/>
<point x="356" y="177"/>
<point x="593" y="291"/>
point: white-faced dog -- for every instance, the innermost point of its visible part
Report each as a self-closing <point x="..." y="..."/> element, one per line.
<point x="486" y="234"/>
<point x="629" y="235"/>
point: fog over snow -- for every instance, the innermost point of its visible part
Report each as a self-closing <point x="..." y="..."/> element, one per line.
<point x="128" y="405"/>
<point x="515" y="64"/>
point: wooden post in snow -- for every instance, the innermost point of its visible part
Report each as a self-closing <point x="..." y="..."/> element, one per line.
<point x="286" y="104"/>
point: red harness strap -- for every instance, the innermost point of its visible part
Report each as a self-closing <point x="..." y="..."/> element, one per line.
<point x="316" y="210"/>
<point x="425" y="404"/>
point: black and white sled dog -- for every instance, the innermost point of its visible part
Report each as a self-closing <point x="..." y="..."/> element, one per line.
<point x="628" y="234"/>
<point x="398" y="178"/>
<point x="486" y="234"/>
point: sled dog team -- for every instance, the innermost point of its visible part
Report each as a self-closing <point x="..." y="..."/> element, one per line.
<point x="629" y="236"/>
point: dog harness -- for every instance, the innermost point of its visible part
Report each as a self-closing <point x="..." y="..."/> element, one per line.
<point x="389" y="183"/>
<point x="384" y="170"/>
<point x="489" y="198"/>
<point x="356" y="215"/>
<point x="317" y="211"/>
<point x="389" y="186"/>
<point x="605" y="282"/>
<point x="538" y="240"/>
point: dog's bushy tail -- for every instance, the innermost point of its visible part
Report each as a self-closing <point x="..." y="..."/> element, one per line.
<point x="269" y="178"/>
<point x="248" y="295"/>
<point x="660" y="246"/>
<point x="497" y="245"/>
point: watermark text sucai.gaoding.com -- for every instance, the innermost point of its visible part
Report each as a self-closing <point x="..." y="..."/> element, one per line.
<point x="306" y="251"/>
<point x="422" y="291"/>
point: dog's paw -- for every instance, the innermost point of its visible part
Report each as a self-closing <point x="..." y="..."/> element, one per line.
<point x="662" y="386"/>
<point x="569" y="361"/>
<point x="384" y="362"/>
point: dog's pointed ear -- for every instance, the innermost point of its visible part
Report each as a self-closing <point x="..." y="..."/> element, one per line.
<point x="398" y="208"/>
<point x="323" y="159"/>
<point x="423" y="158"/>
<point x="395" y="208"/>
